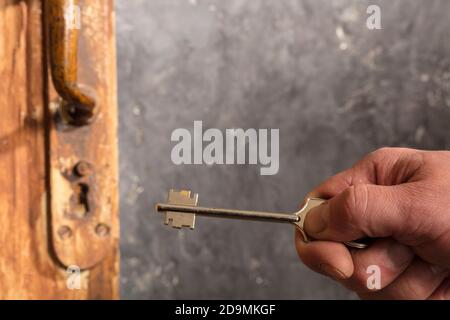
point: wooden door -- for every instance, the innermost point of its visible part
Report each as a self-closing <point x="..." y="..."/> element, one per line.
<point x="34" y="152"/>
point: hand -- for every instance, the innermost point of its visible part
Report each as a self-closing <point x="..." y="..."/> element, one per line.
<point x="402" y="198"/>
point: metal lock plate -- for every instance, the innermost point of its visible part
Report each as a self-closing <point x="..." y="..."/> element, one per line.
<point x="82" y="138"/>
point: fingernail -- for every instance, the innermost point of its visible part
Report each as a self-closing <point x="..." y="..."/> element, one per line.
<point x="317" y="219"/>
<point x="332" y="272"/>
<point x="399" y="255"/>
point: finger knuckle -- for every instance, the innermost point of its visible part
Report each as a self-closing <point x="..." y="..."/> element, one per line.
<point x="390" y="152"/>
<point x="382" y="152"/>
<point x="354" y="205"/>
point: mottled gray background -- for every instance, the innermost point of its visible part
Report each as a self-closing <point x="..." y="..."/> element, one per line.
<point x="308" y="67"/>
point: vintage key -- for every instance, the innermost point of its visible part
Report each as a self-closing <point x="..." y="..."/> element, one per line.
<point x="181" y="209"/>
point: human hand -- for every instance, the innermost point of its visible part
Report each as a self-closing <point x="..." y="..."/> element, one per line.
<point x="399" y="196"/>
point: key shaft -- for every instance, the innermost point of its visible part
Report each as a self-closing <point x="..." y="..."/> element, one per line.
<point x="230" y="213"/>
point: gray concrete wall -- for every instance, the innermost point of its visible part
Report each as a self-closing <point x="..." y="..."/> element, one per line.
<point x="263" y="64"/>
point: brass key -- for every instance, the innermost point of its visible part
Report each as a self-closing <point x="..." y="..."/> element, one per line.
<point x="181" y="209"/>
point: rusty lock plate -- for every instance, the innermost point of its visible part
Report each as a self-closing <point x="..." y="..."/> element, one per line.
<point x="82" y="137"/>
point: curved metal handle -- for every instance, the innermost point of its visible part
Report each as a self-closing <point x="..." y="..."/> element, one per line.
<point x="78" y="107"/>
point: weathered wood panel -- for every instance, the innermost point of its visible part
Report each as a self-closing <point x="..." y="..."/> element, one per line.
<point x="28" y="267"/>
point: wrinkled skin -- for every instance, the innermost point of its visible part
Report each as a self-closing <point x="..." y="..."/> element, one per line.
<point x="399" y="196"/>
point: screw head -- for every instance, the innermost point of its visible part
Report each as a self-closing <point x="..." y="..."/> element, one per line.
<point x="102" y="230"/>
<point x="64" y="232"/>
<point x="82" y="169"/>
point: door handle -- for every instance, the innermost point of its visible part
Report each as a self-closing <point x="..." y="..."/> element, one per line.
<point x="78" y="105"/>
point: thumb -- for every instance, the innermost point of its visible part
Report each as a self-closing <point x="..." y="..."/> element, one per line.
<point x="362" y="210"/>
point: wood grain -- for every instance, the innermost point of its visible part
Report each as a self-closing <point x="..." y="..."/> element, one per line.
<point x="29" y="268"/>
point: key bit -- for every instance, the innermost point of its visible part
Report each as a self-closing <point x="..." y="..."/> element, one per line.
<point x="180" y="219"/>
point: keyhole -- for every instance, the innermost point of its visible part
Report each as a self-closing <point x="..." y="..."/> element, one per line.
<point x="80" y="200"/>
